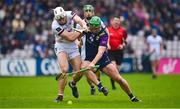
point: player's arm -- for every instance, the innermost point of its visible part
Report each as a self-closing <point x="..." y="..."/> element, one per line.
<point x="125" y="37"/>
<point x="101" y="50"/>
<point x="70" y="36"/>
<point x="108" y="43"/>
<point x="81" y="22"/>
<point x="107" y="31"/>
<point x="109" y="47"/>
<point x="147" y="44"/>
<point x="121" y="46"/>
<point x="161" y="45"/>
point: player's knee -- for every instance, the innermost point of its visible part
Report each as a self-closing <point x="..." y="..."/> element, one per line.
<point x="121" y="80"/>
<point x="116" y="78"/>
<point x="80" y="74"/>
<point x="64" y="69"/>
<point x="98" y="79"/>
<point x="83" y="66"/>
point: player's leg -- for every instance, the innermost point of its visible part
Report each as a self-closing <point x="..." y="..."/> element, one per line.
<point x="75" y="61"/>
<point x="63" y="63"/>
<point x="76" y="64"/>
<point x="92" y="77"/>
<point x="156" y="67"/>
<point x="112" y="81"/>
<point x="118" y="57"/>
<point x="98" y="74"/>
<point x="112" y="72"/>
<point x="111" y="55"/>
<point x="157" y="61"/>
<point x="153" y="66"/>
<point x="92" y="87"/>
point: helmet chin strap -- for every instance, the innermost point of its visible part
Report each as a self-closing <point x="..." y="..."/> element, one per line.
<point x="88" y="18"/>
<point x="62" y="23"/>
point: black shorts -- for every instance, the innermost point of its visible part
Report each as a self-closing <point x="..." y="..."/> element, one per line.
<point x="103" y="62"/>
<point x="116" y="56"/>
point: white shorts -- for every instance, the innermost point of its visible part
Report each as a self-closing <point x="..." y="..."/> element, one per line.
<point x="155" y="56"/>
<point x="69" y="48"/>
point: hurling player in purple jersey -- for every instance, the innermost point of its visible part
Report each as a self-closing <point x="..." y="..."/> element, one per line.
<point x="96" y="53"/>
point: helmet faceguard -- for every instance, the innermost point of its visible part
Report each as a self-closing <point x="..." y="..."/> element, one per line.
<point x="88" y="11"/>
<point x="88" y="8"/>
<point x="59" y="13"/>
<point x="95" y="24"/>
<point x="95" y="21"/>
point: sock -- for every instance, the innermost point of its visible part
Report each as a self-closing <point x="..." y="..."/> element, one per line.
<point x="73" y="83"/>
<point x="100" y="86"/>
<point x="131" y="95"/>
<point x="92" y="87"/>
<point x="99" y="79"/>
<point x="60" y="94"/>
<point x="112" y="83"/>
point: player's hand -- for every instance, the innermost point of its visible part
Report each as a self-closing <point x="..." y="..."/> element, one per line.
<point x="80" y="43"/>
<point x="85" y="27"/>
<point x="91" y="65"/>
<point x="121" y="47"/>
<point x="161" y="50"/>
<point x="109" y="47"/>
<point x="79" y="30"/>
<point x="151" y="51"/>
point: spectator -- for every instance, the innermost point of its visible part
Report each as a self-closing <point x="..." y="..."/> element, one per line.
<point x="20" y="20"/>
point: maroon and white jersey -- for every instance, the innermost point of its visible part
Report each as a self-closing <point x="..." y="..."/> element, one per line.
<point x="58" y="29"/>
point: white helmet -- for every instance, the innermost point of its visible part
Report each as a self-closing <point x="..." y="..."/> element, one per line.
<point x="59" y="13"/>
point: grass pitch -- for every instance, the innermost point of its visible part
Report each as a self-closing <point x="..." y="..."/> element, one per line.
<point x="39" y="92"/>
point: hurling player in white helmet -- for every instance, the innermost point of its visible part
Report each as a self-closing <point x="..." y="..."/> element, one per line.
<point x="65" y="47"/>
<point x="67" y="51"/>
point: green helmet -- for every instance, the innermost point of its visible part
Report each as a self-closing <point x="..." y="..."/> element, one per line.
<point x="95" y="21"/>
<point x="88" y="7"/>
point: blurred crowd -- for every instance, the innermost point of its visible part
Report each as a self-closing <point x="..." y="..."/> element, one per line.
<point x="26" y="24"/>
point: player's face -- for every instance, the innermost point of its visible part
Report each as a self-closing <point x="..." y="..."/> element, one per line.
<point x="88" y="14"/>
<point x="154" y="33"/>
<point x="62" y="21"/>
<point x="94" y="29"/>
<point x="115" y="23"/>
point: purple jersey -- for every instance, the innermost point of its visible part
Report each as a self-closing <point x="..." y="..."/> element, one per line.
<point x="92" y="43"/>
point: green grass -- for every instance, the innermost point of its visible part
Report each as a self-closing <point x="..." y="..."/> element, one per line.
<point x="39" y="92"/>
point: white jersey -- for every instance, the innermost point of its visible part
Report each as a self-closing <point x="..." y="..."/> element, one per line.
<point x="155" y="43"/>
<point x="58" y="29"/>
<point x="61" y="44"/>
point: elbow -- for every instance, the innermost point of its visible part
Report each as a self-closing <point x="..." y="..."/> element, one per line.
<point x="71" y="39"/>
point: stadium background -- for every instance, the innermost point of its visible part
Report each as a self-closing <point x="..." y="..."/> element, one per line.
<point x="26" y="47"/>
<point x="26" y="26"/>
